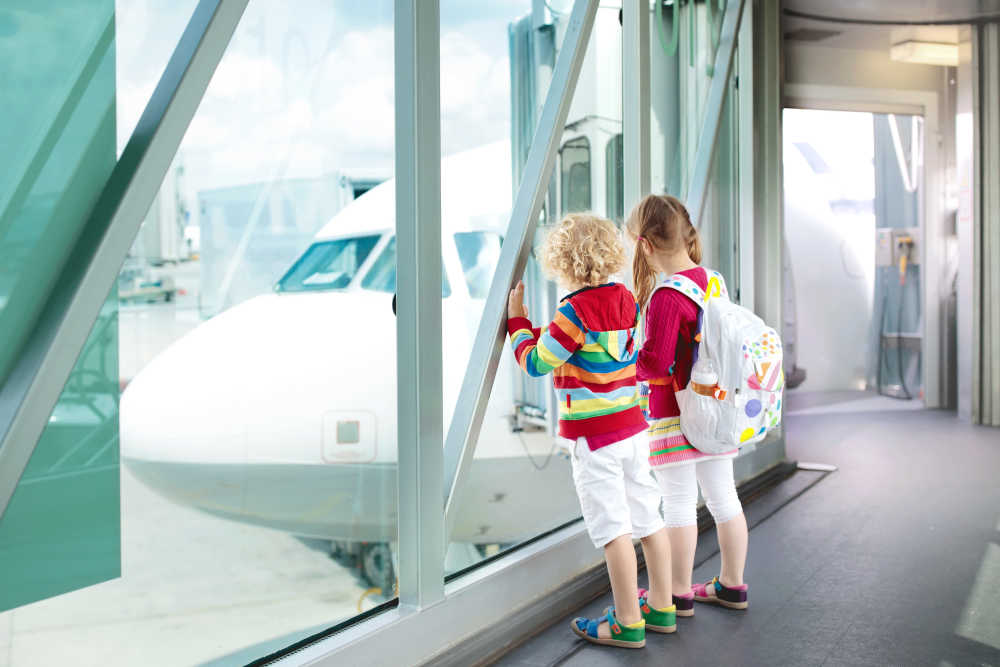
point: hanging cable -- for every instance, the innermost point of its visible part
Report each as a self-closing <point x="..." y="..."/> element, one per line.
<point x="527" y="452"/>
<point x="671" y="47"/>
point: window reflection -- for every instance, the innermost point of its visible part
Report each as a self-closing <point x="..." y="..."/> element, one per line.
<point x="479" y="253"/>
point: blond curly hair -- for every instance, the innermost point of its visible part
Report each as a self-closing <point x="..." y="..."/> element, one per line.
<point x="582" y="250"/>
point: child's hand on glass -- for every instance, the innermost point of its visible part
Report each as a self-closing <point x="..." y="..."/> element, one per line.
<point x="515" y="303"/>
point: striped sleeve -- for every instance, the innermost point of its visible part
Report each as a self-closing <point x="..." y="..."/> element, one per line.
<point x="540" y="351"/>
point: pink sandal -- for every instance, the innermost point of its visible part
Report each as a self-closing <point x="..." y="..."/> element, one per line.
<point x="714" y="592"/>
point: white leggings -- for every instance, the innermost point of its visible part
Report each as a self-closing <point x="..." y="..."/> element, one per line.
<point x="680" y="491"/>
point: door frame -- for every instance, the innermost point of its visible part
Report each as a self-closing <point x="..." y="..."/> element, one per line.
<point x="910" y="102"/>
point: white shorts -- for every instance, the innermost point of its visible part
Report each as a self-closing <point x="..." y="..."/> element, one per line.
<point x="617" y="492"/>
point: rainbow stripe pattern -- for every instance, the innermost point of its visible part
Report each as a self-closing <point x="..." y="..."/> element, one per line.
<point x="668" y="445"/>
<point x="593" y="371"/>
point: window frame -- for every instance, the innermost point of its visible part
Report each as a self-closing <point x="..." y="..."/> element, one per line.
<point x="380" y="249"/>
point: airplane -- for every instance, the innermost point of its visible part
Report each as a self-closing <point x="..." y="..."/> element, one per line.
<point x="281" y="411"/>
<point x="833" y="254"/>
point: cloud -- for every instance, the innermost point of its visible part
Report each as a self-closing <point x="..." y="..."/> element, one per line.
<point x="296" y="98"/>
<point x="475" y="94"/>
<point x="243" y="76"/>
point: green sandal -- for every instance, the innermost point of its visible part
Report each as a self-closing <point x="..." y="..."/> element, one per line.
<point x="623" y="636"/>
<point x="658" y="620"/>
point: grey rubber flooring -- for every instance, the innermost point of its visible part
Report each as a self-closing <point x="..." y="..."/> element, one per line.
<point x="894" y="559"/>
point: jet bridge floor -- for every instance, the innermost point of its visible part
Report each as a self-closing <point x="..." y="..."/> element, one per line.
<point x="892" y="559"/>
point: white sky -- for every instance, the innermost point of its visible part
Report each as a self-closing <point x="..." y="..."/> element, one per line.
<point x="306" y="87"/>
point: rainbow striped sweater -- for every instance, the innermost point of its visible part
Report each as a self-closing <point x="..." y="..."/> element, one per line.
<point x="589" y="349"/>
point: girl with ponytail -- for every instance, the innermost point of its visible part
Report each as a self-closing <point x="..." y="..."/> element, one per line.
<point x="667" y="243"/>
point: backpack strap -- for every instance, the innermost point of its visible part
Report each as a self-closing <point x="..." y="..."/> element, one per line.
<point x="716" y="288"/>
<point x="689" y="288"/>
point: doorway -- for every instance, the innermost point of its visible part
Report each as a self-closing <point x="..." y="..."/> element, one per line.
<point x="853" y="190"/>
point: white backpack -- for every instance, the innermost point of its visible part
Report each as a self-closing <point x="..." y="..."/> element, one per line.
<point x="745" y="402"/>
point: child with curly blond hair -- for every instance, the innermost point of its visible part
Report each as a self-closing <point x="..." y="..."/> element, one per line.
<point x="590" y="349"/>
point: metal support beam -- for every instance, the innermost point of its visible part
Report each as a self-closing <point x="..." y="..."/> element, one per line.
<point x="635" y="101"/>
<point x="986" y="226"/>
<point x="768" y="184"/>
<point x="714" y="106"/>
<point x="40" y="372"/>
<point x="420" y="419"/>
<point x="460" y="445"/>
<point x="744" y="88"/>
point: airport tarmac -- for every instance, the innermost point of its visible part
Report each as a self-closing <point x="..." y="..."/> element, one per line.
<point x="195" y="590"/>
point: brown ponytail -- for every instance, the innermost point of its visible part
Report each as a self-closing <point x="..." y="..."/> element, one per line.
<point x="643" y="277"/>
<point x="692" y="239"/>
<point x="664" y="223"/>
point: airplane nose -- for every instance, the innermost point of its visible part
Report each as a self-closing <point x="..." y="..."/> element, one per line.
<point x="183" y="407"/>
<point x="183" y="431"/>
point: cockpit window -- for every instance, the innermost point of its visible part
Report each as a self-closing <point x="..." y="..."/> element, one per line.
<point x="479" y="253"/>
<point x="382" y="276"/>
<point x="328" y="265"/>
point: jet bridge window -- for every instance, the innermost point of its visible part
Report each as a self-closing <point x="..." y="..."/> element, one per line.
<point x="328" y="265"/>
<point x="576" y="175"/>
<point x="479" y="253"/>
<point x="382" y="276"/>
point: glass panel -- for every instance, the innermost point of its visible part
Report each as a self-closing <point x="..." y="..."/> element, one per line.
<point x="146" y="32"/>
<point x="575" y="183"/>
<point x="381" y="277"/>
<point x="721" y="219"/>
<point x="683" y="43"/>
<point x="60" y="531"/>
<point x="898" y="169"/>
<point x="258" y="429"/>
<point x="328" y="265"/>
<point x="58" y="124"/>
<point x="519" y="485"/>
<point x="478" y="252"/>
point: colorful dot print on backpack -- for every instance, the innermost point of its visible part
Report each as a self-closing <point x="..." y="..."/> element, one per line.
<point x="766" y="354"/>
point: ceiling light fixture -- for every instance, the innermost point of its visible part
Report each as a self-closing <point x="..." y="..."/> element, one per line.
<point x="926" y="53"/>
